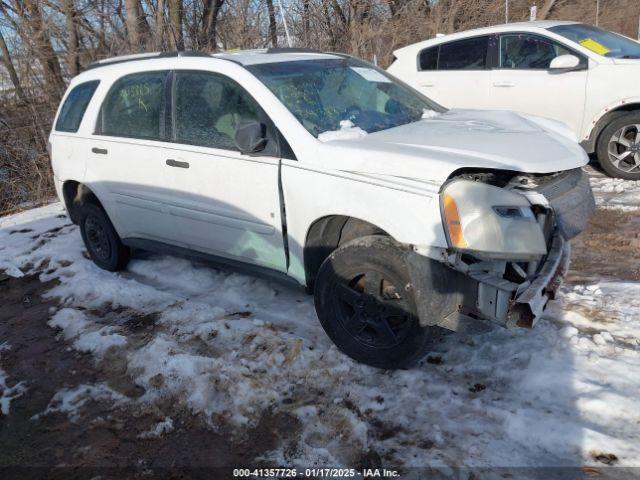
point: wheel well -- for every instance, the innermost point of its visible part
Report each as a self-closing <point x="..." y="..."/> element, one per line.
<point x="591" y="144"/>
<point x="328" y="233"/>
<point x="75" y="194"/>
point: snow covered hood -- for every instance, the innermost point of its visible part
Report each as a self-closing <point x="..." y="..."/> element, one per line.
<point x="433" y="148"/>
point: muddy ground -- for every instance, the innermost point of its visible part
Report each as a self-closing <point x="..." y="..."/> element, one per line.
<point x="106" y="436"/>
<point x="109" y="436"/>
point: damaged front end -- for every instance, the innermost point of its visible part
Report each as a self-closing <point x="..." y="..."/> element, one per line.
<point x="508" y="247"/>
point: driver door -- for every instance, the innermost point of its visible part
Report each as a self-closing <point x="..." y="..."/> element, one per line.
<point x="523" y="82"/>
<point x="223" y="202"/>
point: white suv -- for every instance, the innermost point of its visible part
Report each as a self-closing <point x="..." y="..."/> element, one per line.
<point x="324" y="170"/>
<point x="581" y="75"/>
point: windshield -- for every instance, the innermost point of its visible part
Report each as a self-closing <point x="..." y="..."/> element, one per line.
<point x="323" y="93"/>
<point x="600" y="41"/>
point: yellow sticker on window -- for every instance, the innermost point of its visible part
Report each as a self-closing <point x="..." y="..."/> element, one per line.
<point x="594" y="46"/>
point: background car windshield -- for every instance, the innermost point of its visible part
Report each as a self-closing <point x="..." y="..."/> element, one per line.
<point x="599" y="41"/>
<point x="322" y="93"/>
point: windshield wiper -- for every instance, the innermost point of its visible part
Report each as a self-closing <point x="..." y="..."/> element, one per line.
<point x="630" y="56"/>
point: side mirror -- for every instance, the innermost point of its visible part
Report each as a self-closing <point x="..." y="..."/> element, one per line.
<point x="564" y="63"/>
<point x="250" y="136"/>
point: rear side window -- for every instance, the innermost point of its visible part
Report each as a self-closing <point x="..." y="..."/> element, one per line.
<point x="467" y="54"/>
<point x="74" y="106"/>
<point x="134" y="105"/>
<point x="429" y="58"/>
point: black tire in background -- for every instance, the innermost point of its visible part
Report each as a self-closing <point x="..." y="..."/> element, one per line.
<point x="103" y="243"/>
<point x="365" y="303"/>
<point x="618" y="147"/>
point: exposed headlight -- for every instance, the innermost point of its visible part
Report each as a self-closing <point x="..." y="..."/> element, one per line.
<point x="490" y="221"/>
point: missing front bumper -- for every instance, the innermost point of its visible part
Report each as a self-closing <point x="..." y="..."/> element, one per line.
<point x="512" y="305"/>
<point x="465" y="302"/>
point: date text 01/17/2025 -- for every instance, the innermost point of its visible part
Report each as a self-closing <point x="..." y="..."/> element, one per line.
<point x="315" y="473"/>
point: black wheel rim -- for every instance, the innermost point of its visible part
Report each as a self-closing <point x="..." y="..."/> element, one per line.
<point x="373" y="310"/>
<point x="97" y="238"/>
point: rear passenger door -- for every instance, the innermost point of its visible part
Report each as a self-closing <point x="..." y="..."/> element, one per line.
<point x="125" y="158"/>
<point x="224" y="203"/>
<point x="457" y="74"/>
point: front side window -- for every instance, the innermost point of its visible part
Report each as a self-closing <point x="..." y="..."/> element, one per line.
<point x="74" y="106"/>
<point x="133" y="106"/>
<point x="207" y="109"/>
<point x="522" y="51"/>
<point x="599" y="41"/>
<point x="323" y="93"/>
<point x="467" y="54"/>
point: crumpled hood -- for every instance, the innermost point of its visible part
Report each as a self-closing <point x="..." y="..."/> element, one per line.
<point x="431" y="149"/>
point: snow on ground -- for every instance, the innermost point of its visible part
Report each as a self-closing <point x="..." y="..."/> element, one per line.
<point x="70" y="400"/>
<point x="8" y="393"/>
<point x="614" y="192"/>
<point x="230" y="347"/>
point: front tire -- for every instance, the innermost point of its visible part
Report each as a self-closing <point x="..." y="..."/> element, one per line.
<point x="101" y="240"/>
<point x="365" y="303"/>
<point x="618" y="147"/>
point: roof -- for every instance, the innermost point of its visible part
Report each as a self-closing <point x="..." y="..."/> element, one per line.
<point x="254" y="57"/>
<point x="242" y="57"/>
<point x="541" y="23"/>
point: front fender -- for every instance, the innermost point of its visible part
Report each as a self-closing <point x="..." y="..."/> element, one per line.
<point x="600" y="120"/>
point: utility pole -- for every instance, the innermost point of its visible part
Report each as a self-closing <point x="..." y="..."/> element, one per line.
<point x="506" y="11"/>
<point x="284" y="20"/>
<point x="597" y="12"/>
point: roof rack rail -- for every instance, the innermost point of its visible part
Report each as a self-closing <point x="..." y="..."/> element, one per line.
<point x="291" y="50"/>
<point x="144" y="56"/>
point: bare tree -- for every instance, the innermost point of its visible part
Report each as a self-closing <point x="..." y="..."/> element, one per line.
<point x="546" y="8"/>
<point x="73" y="60"/>
<point x="34" y="31"/>
<point x="5" y="57"/>
<point x="273" y="36"/>
<point x="158" y="35"/>
<point x="176" y="36"/>
<point x="136" y="26"/>
<point x="210" y="15"/>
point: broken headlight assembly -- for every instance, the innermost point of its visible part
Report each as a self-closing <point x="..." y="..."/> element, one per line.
<point x="490" y="222"/>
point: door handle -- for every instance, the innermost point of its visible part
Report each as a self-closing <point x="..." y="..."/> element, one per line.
<point x="428" y="84"/>
<point x="176" y="163"/>
<point x="504" y="84"/>
<point x="100" y="151"/>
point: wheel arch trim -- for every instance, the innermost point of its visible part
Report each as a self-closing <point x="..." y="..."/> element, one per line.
<point x="327" y="233"/>
<point x="604" y="117"/>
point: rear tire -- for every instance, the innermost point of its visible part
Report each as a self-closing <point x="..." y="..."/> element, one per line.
<point x="618" y="147"/>
<point x="365" y="303"/>
<point x="101" y="240"/>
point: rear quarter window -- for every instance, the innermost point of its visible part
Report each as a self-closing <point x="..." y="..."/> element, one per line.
<point x="74" y="106"/>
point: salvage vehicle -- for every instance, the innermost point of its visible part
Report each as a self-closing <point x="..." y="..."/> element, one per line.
<point x="399" y="215"/>
<point x="578" y="74"/>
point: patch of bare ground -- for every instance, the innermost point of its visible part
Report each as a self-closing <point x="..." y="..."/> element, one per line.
<point x="610" y="246"/>
<point x="106" y="438"/>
